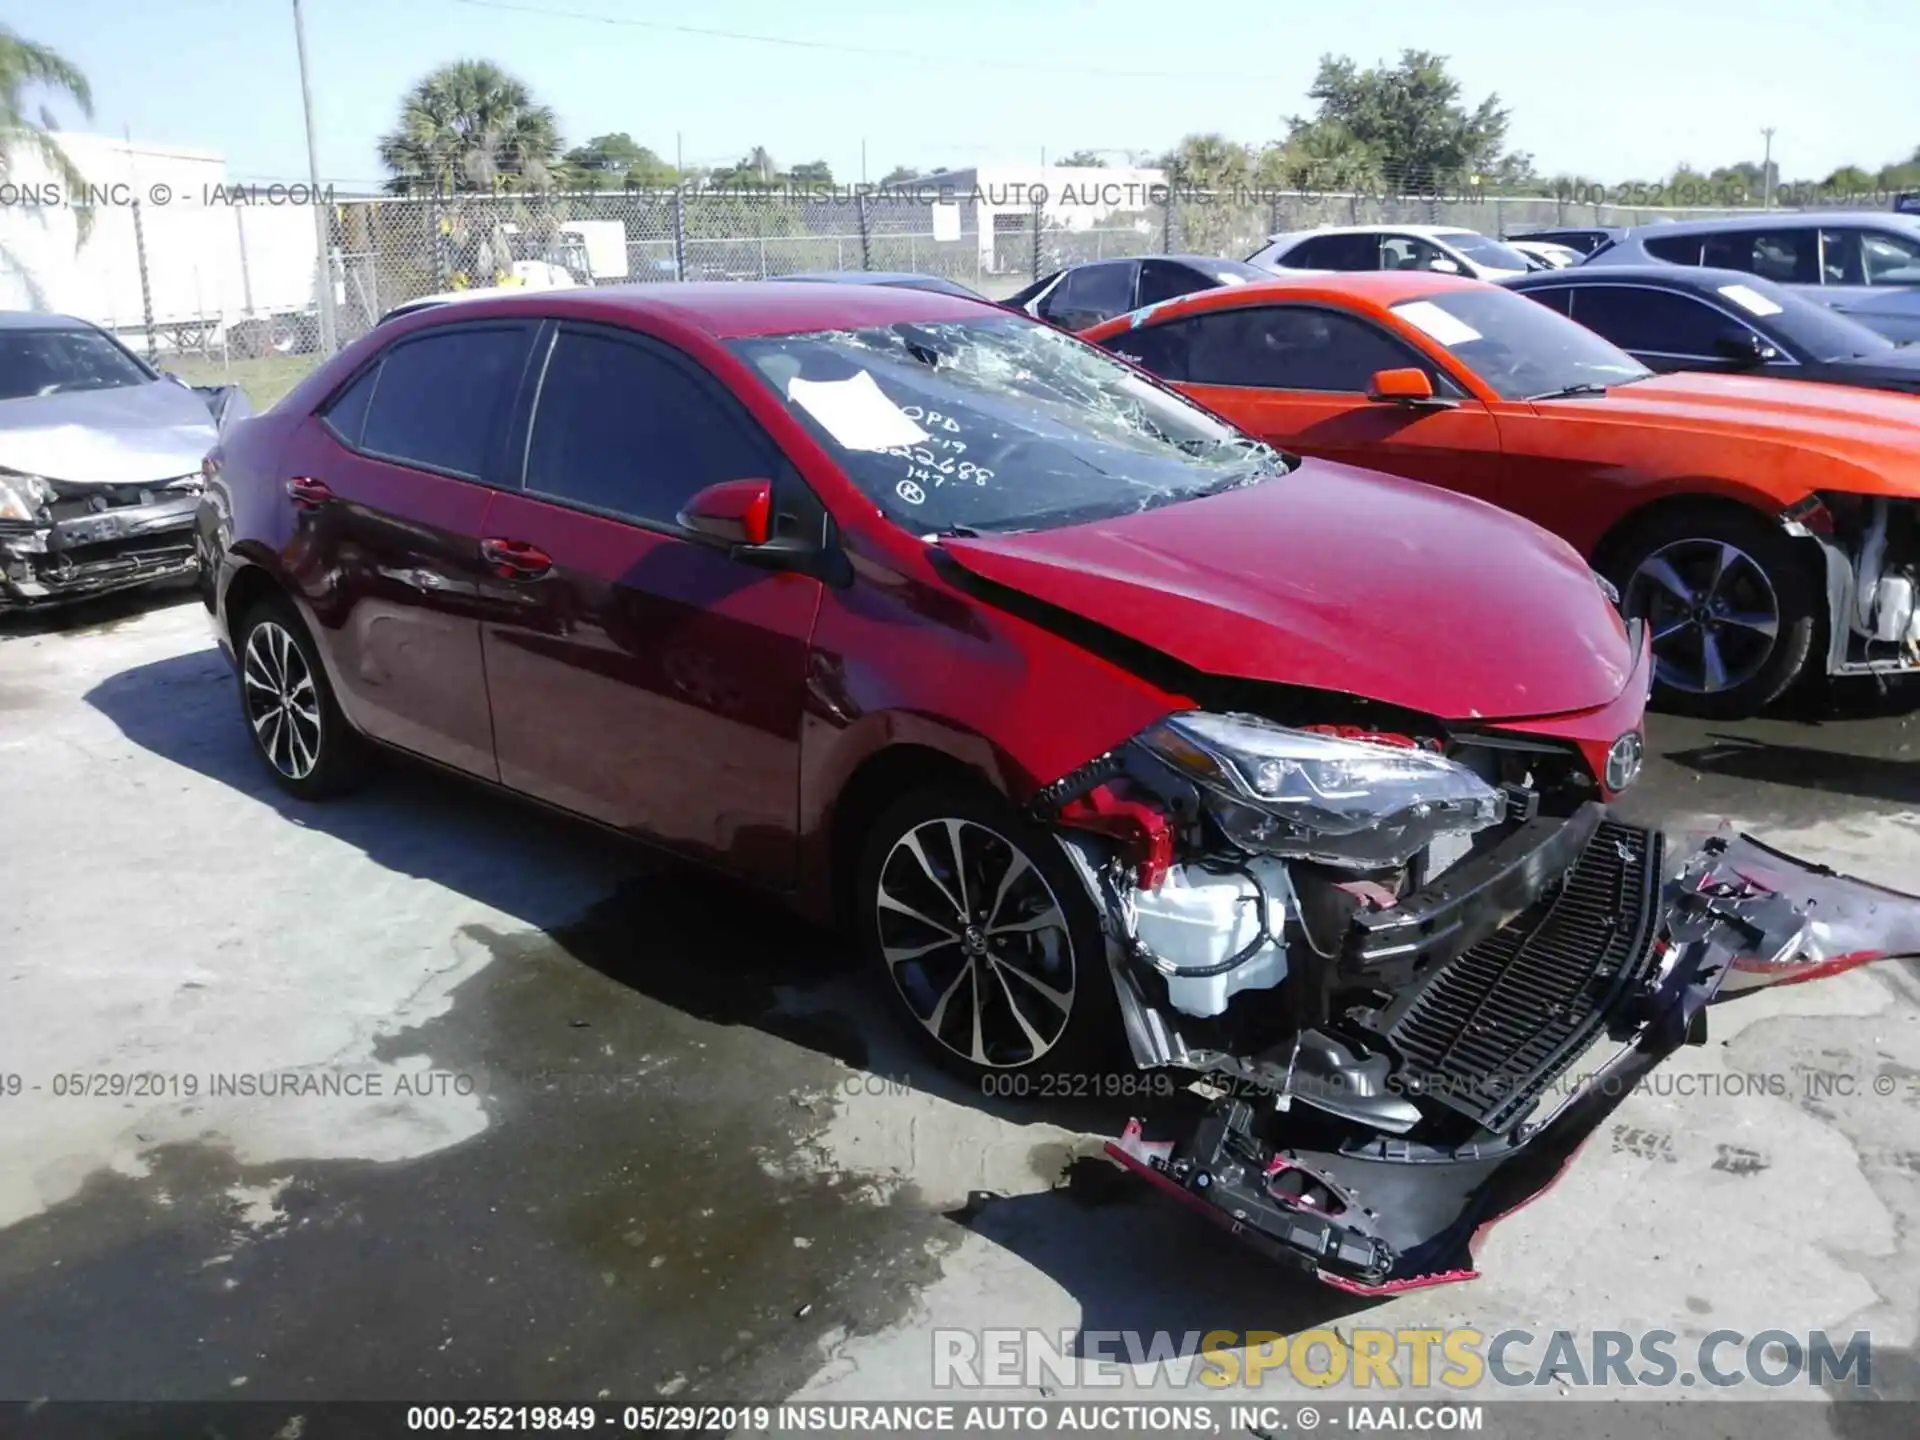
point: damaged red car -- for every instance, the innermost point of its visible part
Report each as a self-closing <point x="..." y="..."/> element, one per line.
<point x="1098" y="724"/>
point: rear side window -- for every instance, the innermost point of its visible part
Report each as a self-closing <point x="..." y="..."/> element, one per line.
<point x="1093" y="292"/>
<point x="1165" y="280"/>
<point x="1335" y="252"/>
<point x="347" y="415"/>
<point x="436" y="399"/>
<point x="622" y="429"/>
<point x="1677" y="249"/>
<point x="1160" y="349"/>
<point x="1558" y="297"/>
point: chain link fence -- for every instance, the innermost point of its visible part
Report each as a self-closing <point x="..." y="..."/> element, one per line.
<point x="385" y="252"/>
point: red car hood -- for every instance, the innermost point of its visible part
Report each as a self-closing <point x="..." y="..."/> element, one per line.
<point x="1341" y="579"/>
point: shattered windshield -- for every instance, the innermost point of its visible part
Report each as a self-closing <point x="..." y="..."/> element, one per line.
<point x="53" y="362"/>
<point x="1000" y="424"/>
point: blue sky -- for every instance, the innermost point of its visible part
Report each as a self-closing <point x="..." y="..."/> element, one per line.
<point x="1619" y="91"/>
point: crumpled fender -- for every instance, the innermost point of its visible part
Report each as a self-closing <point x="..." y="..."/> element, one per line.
<point x="1739" y="916"/>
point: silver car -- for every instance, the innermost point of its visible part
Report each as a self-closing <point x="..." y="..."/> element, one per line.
<point x="100" y="461"/>
<point x="1864" y="263"/>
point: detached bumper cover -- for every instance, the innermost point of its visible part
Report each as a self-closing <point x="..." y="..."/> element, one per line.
<point x="94" y="554"/>
<point x="1385" y="1215"/>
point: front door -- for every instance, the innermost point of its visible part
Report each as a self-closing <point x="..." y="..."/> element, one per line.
<point x="642" y="677"/>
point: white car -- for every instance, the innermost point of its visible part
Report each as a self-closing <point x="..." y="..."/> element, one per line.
<point x="1445" y="248"/>
<point x="1554" y="257"/>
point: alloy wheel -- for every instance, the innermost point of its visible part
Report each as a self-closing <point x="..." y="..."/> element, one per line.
<point x="976" y="942"/>
<point x="282" y="704"/>
<point x="1712" y="612"/>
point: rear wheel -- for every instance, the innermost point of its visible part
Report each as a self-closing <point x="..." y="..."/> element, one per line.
<point x="291" y="713"/>
<point x="1732" y="603"/>
<point x="985" y="938"/>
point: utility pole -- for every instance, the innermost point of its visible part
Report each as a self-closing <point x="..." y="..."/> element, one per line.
<point x="320" y="236"/>
<point x="863" y="159"/>
<point x="1766" y="171"/>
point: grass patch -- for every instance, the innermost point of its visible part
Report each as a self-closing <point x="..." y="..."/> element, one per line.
<point x="265" y="380"/>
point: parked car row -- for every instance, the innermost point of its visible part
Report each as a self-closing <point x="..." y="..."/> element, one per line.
<point x="1099" y="722"/>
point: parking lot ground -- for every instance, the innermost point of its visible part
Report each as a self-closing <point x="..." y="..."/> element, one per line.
<point x="426" y="1093"/>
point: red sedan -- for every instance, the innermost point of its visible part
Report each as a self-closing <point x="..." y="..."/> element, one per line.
<point x="1086" y="715"/>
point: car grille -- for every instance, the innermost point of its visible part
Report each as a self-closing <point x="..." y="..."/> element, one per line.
<point x="1489" y="1032"/>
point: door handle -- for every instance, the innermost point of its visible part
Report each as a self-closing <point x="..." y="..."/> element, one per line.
<point x="308" y="493"/>
<point x="515" y="559"/>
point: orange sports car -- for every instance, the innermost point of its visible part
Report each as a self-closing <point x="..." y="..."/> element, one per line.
<point x="1763" y="528"/>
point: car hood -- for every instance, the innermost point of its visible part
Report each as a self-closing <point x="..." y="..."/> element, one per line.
<point x="1898" y="368"/>
<point x="1337" y="578"/>
<point x="1876" y="430"/>
<point x="134" y="435"/>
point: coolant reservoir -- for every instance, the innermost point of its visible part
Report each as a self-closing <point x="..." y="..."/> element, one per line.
<point x="1893" y="608"/>
<point x="1198" y="920"/>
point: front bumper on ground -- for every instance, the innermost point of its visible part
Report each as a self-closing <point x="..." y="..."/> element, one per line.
<point x="94" y="554"/>
<point x="1496" y="1028"/>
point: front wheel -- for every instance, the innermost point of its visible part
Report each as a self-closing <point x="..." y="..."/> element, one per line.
<point x="1732" y="603"/>
<point x="985" y="938"/>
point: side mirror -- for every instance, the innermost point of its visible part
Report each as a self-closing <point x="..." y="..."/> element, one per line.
<point x="733" y="512"/>
<point x="1745" y="349"/>
<point x="1443" y="266"/>
<point x="1403" y="387"/>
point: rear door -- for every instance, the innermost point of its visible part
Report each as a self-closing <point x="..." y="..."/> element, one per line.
<point x="394" y="478"/>
<point x="642" y="678"/>
<point x="1298" y="376"/>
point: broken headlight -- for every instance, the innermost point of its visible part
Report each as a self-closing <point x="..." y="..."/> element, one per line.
<point x="23" y="497"/>
<point x="1316" y="797"/>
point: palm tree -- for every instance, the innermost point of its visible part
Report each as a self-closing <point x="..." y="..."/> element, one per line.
<point x="470" y="127"/>
<point x="24" y="66"/>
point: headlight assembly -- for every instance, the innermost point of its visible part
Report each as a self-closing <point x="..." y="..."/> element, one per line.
<point x="1316" y="797"/>
<point x="23" y="497"/>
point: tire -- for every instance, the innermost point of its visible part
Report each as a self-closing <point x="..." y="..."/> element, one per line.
<point x="907" y="898"/>
<point x="288" y="704"/>
<point x="1734" y="605"/>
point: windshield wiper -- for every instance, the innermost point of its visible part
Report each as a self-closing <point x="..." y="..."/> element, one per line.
<point x="1584" y="387"/>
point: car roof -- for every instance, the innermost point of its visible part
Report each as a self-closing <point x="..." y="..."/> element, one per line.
<point x="37" y="320"/>
<point x="732" y="309"/>
<point x="1781" y="220"/>
<point x="1672" y="277"/>
<point x="1430" y="232"/>
<point x="1378" y="288"/>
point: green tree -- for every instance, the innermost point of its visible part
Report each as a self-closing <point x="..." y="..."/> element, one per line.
<point x="899" y="175"/>
<point x="1409" y="115"/>
<point x="607" y="161"/>
<point x="1086" y="158"/>
<point x="813" y="172"/>
<point x="26" y="67"/>
<point x="470" y="128"/>
<point x="1849" y="180"/>
<point x="1903" y="176"/>
<point x="757" y="167"/>
<point x="1207" y="162"/>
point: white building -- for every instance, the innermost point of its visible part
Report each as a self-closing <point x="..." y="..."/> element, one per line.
<point x="1003" y="197"/>
<point x="213" y="252"/>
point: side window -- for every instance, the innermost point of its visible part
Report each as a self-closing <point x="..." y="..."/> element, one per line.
<point x="347" y="415"/>
<point x="623" y="429"/>
<point x="1681" y="249"/>
<point x="1790" y="257"/>
<point x="1335" y="252"/>
<point x="1555" y="297"/>
<point x="1161" y="349"/>
<point x="1655" y="321"/>
<point x="1890" y="259"/>
<point x="1092" y="293"/>
<point x="439" y="397"/>
<point x="1409" y="252"/>
<point x="1291" y="348"/>
<point x="1165" y="280"/>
